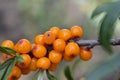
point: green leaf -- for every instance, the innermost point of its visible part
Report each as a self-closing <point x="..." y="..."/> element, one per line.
<point x="50" y="76"/>
<point x="7" y="66"/>
<point x="104" y="69"/>
<point x="19" y="59"/>
<point x="68" y="73"/>
<point x="38" y="75"/>
<point x="7" y="50"/>
<point x="6" y="63"/>
<point x="107" y="25"/>
<point x="2" y="72"/>
<point x="9" y="69"/>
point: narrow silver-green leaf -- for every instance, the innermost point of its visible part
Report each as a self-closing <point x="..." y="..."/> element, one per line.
<point x="108" y="67"/>
<point x="7" y="62"/>
<point x="38" y="75"/>
<point x="9" y="69"/>
<point x="68" y="73"/>
<point x="19" y="58"/>
<point x="108" y="23"/>
<point x="7" y="50"/>
<point x="50" y="76"/>
<point x="100" y="9"/>
<point x="2" y="71"/>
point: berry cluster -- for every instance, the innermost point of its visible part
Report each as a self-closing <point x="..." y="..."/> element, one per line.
<point x="47" y="51"/>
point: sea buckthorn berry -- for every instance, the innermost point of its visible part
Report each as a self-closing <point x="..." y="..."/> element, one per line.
<point x="55" y="30"/>
<point x="15" y="74"/>
<point x="33" y="66"/>
<point x="64" y="34"/>
<point x="67" y="58"/>
<point x="25" y="70"/>
<point x="8" y="43"/>
<point x="43" y="63"/>
<point x="27" y="61"/>
<point x="76" y="31"/>
<point x="53" y="67"/>
<point x="23" y="46"/>
<point x="39" y="39"/>
<point x="39" y="51"/>
<point x="5" y="56"/>
<point x="85" y="54"/>
<point x="72" y="49"/>
<point x="59" y="45"/>
<point x="55" y="57"/>
<point x="49" y="37"/>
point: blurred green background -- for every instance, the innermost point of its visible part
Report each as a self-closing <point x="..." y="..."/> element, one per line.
<point x="28" y="18"/>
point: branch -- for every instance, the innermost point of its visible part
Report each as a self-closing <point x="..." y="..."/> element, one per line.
<point x="92" y="43"/>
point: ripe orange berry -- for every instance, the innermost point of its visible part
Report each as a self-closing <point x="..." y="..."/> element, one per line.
<point x="33" y="66"/>
<point x="39" y="51"/>
<point x="43" y="63"/>
<point x="64" y="34"/>
<point x="49" y="37"/>
<point x="23" y="46"/>
<point x="76" y="31"/>
<point x="68" y="58"/>
<point x="5" y="56"/>
<point x="55" y="30"/>
<point x="27" y="61"/>
<point x="15" y="74"/>
<point x="39" y="39"/>
<point x="85" y="54"/>
<point x="55" y="57"/>
<point x="25" y="70"/>
<point x="59" y="45"/>
<point x="72" y="49"/>
<point x="53" y="67"/>
<point x="8" y="43"/>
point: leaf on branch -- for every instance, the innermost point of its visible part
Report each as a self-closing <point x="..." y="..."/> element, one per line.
<point x="9" y="69"/>
<point x="7" y="66"/>
<point x="38" y="75"/>
<point x="6" y="63"/>
<point x="19" y="59"/>
<point x="50" y="76"/>
<point x="7" y="50"/>
<point x="112" y="11"/>
<point x="111" y="66"/>
<point x="68" y="73"/>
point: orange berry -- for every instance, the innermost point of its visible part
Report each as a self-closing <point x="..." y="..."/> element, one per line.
<point x="59" y="45"/>
<point x="5" y="56"/>
<point x="39" y="39"/>
<point x="55" y="30"/>
<point x="68" y="58"/>
<point x="85" y="54"/>
<point x="55" y="57"/>
<point x="72" y="49"/>
<point x="33" y="66"/>
<point x="39" y="51"/>
<point x="64" y="34"/>
<point x="43" y="63"/>
<point x="53" y="67"/>
<point x="27" y="61"/>
<point x="15" y="74"/>
<point x="8" y="43"/>
<point x="49" y="37"/>
<point x="25" y="70"/>
<point x="23" y="46"/>
<point x="76" y="31"/>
